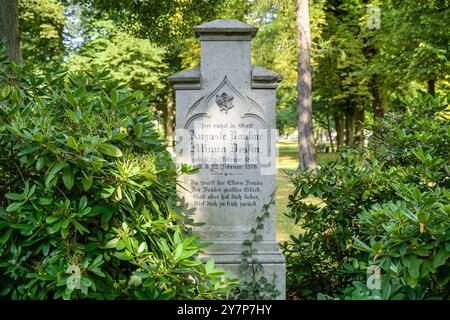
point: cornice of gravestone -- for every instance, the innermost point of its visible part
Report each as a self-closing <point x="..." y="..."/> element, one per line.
<point x="225" y="30"/>
<point x="262" y="78"/>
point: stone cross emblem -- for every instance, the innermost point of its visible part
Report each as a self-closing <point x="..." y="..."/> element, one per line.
<point x="224" y="101"/>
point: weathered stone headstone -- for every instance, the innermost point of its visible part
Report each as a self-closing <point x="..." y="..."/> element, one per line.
<point x="225" y="120"/>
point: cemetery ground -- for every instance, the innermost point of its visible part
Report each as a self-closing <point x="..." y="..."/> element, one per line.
<point x="288" y="161"/>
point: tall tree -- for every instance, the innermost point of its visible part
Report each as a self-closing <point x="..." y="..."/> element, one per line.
<point x="305" y="128"/>
<point x="41" y="26"/>
<point x="9" y="29"/>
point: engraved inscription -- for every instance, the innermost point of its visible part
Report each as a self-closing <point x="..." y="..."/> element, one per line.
<point x="234" y="193"/>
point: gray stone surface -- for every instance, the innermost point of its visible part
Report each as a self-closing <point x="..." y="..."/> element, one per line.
<point x="225" y="30"/>
<point x="225" y="116"/>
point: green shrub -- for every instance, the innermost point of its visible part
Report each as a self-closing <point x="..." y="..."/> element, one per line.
<point x="387" y="206"/>
<point x="87" y="195"/>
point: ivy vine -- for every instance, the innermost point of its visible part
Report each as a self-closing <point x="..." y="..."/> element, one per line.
<point x="255" y="286"/>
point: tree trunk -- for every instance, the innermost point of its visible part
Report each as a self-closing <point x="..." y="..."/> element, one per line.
<point x="330" y="137"/>
<point x="9" y="29"/>
<point x="431" y="87"/>
<point x="349" y="127"/>
<point x="169" y="117"/>
<point x="338" y="120"/>
<point x="359" y="131"/>
<point x="305" y="127"/>
<point x="377" y="103"/>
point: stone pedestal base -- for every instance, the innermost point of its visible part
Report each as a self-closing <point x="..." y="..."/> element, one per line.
<point x="228" y="256"/>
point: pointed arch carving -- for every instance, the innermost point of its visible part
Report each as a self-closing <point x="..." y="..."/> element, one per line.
<point x="201" y="107"/>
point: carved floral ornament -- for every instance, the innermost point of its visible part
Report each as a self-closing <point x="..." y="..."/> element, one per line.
<point x="224" y="101"/>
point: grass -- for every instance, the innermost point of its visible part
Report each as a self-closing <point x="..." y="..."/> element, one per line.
<point x="288" y="160"/>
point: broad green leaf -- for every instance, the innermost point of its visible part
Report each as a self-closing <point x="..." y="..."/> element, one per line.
<point x="15" y="206"/>
<point x="29" y="149"/>
<point x="65" y="223"/>
<point x="142" y="247"/>
<point x="112" y="243"/>
<point x="98" y="272"/>
<point x="190" y="263"/>
<point x="87" y="183"/>
<point x="106" y="216"/>
<point x="22" y="226"/>
<point x="110" y="150"/>
<point x="15" y="196"/>
<point x="68" y="177"/>
<point x="440" y="258"/>
<point x="5" y="91"/>
<point x="177" y="237"/>
<point x="412" y="281"/>
<point x="120" y="136"/>
<point x="52" y="173"/>
<point x="44" y="201"/>
<point x="82" y="204"/>
<point x="168" y="294"/>
<point x="107" y="191"/>
<point x="64" y="233"/>
<point x="178" y="251"/>
<point x="362" y="246"/>
<point x="5" y="236"/>
<point x="86" y="281"/>
<point x="40" y="163"/>
<point x="188" y="253"/>
<point x="72" y="143"/>
<point x="82" y="229"/>
<point x="443" y="276"/>
<point x="52" y="219"/>
<point x="120" y="245"/>
<point x="70" y="98"/>
<point x="46" y="277"/>
<point x="114" y="97"/>
<point x="414" y="265"/>
<point x="54" y="227"/>
<point x="138" y="129"/>
<point x="97" y="164"/>
<point x="98" y="261"/>
<point x="123" y="255"/>
<point x="162" y="244"/>
<point x="30" y="193"/>
<point x="377" y="246"/>
<point x="209" y="267"/>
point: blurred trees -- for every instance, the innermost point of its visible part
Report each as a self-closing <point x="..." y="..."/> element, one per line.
<point x="9" y="29"/>
<point x="365" y="54"/>
<point x="41" y="24"/>
<point x="134" y="61"/>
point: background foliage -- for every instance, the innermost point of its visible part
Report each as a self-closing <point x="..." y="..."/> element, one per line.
<point x="387" y="206"/>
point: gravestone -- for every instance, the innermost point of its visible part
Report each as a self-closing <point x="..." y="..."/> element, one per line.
<point x="225" y="126"/>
